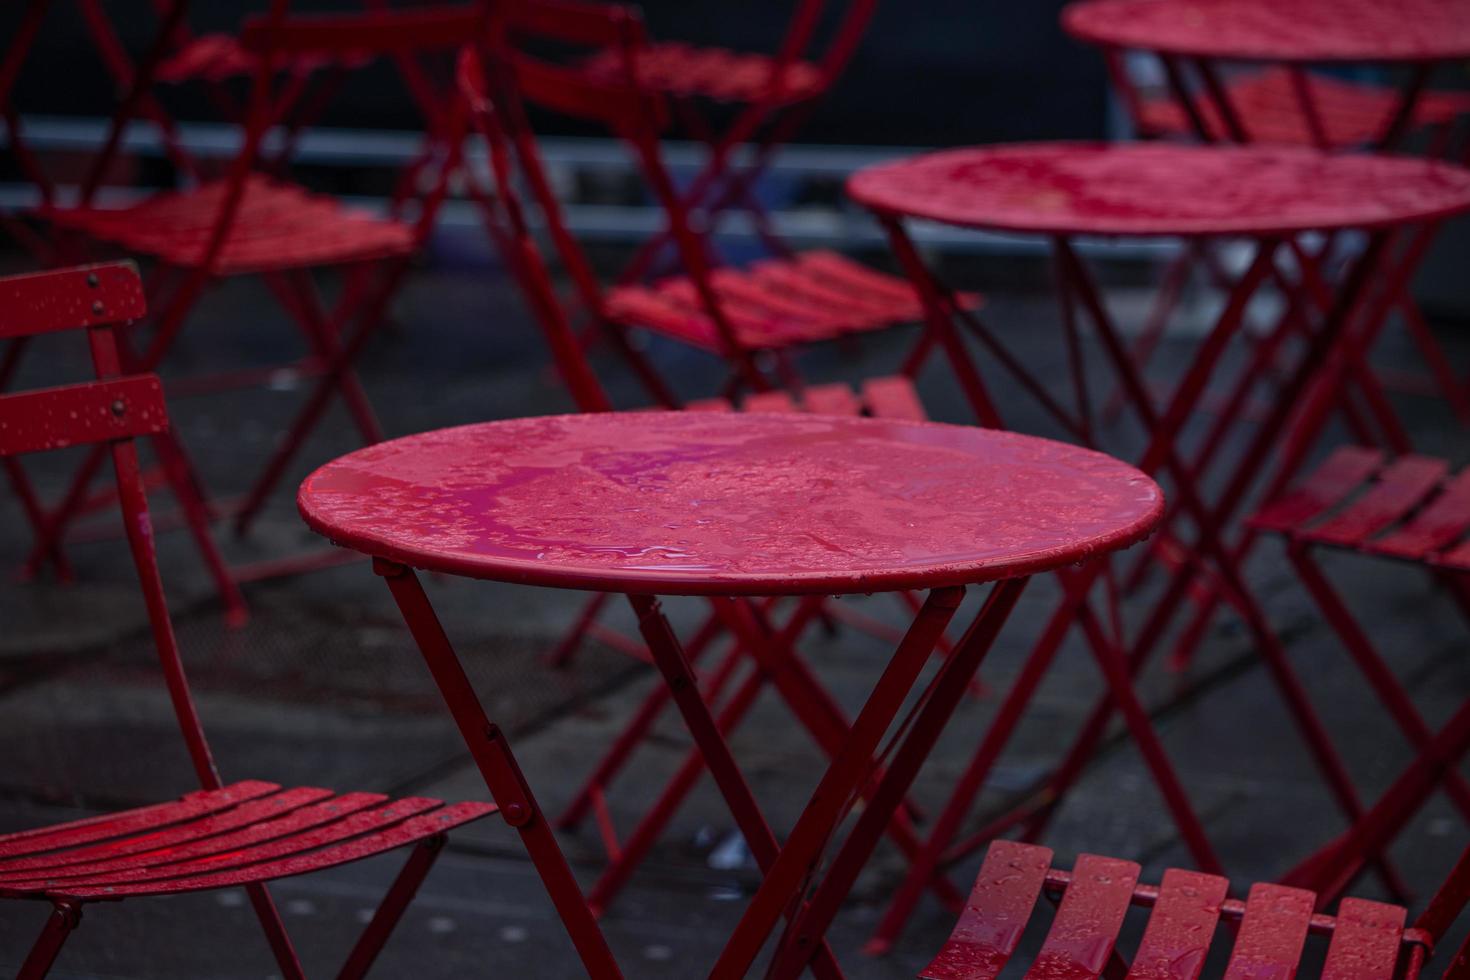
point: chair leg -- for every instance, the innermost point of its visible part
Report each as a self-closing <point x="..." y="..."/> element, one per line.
<point x="275" y="932"/>
<point x="64" y="917"/>
<point x="402" y="891"/>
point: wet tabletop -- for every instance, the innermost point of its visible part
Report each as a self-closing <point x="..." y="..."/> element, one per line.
<point x="1155" y="189"/>
<point x="737" y="504"/>
<point x="1279" y="30"/>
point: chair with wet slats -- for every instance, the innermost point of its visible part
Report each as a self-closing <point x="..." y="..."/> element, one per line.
<point x="755" y="316"/>
<point x="1411" y="508"/>
<point x="1366" y="940"/>
<point x="742" y="105"/>
<point x="222" y="836"/>
<point x="250" y="222"/>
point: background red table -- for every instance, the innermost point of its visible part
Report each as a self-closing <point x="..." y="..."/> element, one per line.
<point x="1268" y="196"/>
<point x="1289" y="106"/>
<point x="734" y="506"/>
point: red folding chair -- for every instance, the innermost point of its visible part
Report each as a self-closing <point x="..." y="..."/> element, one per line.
<point x="755" y="317"/>
<point x="222" y="836"/>
<point x="773" y="96"/>
<point x="252" y="224"/>
<point x="1414" y="509"/>
<point x="1364" y="940"/>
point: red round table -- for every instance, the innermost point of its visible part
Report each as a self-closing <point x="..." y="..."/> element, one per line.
<point x="1284" y="103"/>
<point x="1267" y="196"/>
<point x="734" y="506"/>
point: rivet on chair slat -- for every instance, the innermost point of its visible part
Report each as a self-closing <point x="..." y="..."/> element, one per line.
<point x="1272" y="933"/>
<point x="95" y="856"/>
<point x="1087" y="923"/>
<point x="1330" y="484"/>
<point x="1365" y="941"/>
<point x="1442" y="522"/>
<point x="995" y="915"/>
<point x="833" y="399"/>
<point x="1405" y="484"/>
<point x="409" y="831"/>
<point x="893" y="397"/>
<point x="1180" y="927"/>
<point x="71" y="415"/>
<point x="122" y="824"/>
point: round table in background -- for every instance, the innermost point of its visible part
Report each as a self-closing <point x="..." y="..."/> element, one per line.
<point x="1284" y="103"/>
<point x="1266" y="196"/>
<point x="734" y="506"/>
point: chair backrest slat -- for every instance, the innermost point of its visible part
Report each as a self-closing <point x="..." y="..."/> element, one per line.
<point x="73" y="415"/>
<point x="65" y="299"/>
<point x="113" y="409"/>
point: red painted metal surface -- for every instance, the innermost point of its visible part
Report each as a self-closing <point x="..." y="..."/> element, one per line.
<point x="1086" y="926"/>
<point x="995" y="915"/>
<point x="93" y="412"/>
<point x="1337" y="318"/>
<point x="1269" y="942"/>
<point x="687" y="71"/>
<point x="1270" y="110"/>
<point x="277" y="226"/>
<point x="704" y="503"/>
<point x="66" y="299"/>
<point x="1342" y="473"/>
<point x="1299" y="31"/>
<point x="1399" y="488"/>
<point x="223" y="836"/>
<point x="1366" y="940"/>
<point x="1180" y="928"/>
<point x="1161" y="190"/>
<point x="678" y="285"/>
<point x="809" y="298"/>
<point x="250" y="223"/>
<point x="1412" y="509"/>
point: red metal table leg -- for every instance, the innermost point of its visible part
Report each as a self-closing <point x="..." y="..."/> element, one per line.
<point x="939" y="326"/>
<point x="929" y="718"/>
<point x="507" y="786"/>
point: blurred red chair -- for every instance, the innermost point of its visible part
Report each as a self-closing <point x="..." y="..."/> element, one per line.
<point x="252" y="224"/>
<point x="1415" y="510"/>
<point x="1365" y="940"/>
<point x="222" y="836"/>
<point x="772" y="95"/>
<point x="755" y="317"/>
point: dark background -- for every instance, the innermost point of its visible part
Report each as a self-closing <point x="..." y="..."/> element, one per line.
<point x="929" y="73"/>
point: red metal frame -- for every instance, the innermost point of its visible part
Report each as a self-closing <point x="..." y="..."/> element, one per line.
<point x="1333" y="325"/>
<point x="1271" y="927"/>
<point x="777" y="94"/>
<point x="1411" y="509"/>
<point x="521" y="524"/>
<point x="756" y="318"/>
<point x="1285" y="104"/>
<point x="243" y="834"/>
<point x="250" y="224"/>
